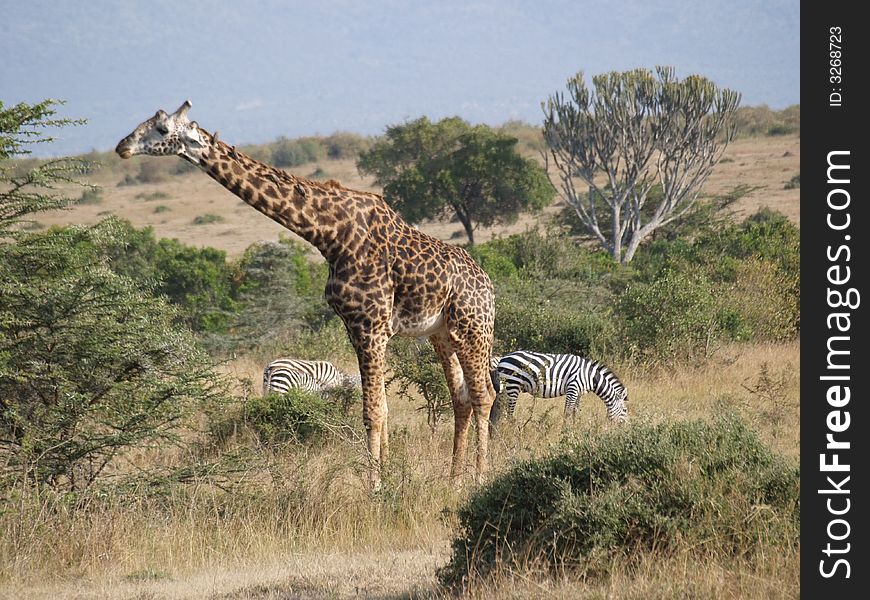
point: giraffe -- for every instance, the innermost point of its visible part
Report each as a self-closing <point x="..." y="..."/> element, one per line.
<point x="386" y="278"/>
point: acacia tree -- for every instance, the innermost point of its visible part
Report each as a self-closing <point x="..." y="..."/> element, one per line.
<point x="24" y="191"/>
<point x="91" y="364"/>
<point x="451" y="169"/>
<point x="635" y="131"/>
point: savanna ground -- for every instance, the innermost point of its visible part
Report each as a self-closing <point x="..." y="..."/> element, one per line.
<point x="302" y="524"/>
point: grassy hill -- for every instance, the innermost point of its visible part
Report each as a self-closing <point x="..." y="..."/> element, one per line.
<point x="195" y="209"/>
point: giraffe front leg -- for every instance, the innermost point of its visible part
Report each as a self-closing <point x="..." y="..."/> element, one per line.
<point x="371" y="365"/>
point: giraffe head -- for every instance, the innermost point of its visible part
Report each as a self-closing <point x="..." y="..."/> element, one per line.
<point x="166" y="135"/>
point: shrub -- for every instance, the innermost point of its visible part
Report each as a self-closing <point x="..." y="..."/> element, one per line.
<point x="278" y="291"/>
<point x="417" y="370"/>
<point x="700" y="487"/>
<point x="292" y="153"/>
<point x="535" y="323"/>
<point x="91" y="364"/>
<point x="92" y="195"/>
<point x="207" y="219"/>
<point x="297" y="415"/>
<point x="793" y="183"/>
<point x="344" y="145"/>
<point x="761" y="120"/>
<point x="761" y="303"/>
<point x="674" y="317"/>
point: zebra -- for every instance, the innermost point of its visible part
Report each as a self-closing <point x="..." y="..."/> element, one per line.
<point x="553" y="375"/>
<point x="284" y="374"/>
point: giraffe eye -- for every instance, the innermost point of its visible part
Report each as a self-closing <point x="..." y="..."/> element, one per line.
<point x="162" y="129"/>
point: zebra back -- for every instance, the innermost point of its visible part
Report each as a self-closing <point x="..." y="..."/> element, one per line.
<point x="281" y="380"/>
<point x="313" y="375"/>
<point x="551" y="375"/>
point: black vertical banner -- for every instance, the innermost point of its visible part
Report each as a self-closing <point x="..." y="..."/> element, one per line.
<point x="835" y="356"/>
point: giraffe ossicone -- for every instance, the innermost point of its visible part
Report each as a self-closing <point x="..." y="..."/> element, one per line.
<point x="386" y="278"/>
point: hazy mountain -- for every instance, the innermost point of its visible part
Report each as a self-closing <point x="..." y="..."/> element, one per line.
<point x="256" y="70"/>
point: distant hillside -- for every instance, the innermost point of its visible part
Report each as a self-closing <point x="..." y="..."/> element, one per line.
<point x="178" y="202"/>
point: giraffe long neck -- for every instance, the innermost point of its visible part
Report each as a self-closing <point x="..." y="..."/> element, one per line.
<point x="325" y="215"/>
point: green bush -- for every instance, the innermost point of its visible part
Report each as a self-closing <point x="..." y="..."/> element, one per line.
<point x="675" y="317"/>
<point x="91" y="195"/>
<point x="699" y="487"/>
<point x="535" y="323"/>
<point x="548" y="255"/>
<point x="344" y="145"/>
<point x="198" y="280"/>
<point x="761" y="120"/>
<point x="297" y="415"/>
<point x="416" y="369"/>
<point x="207" y="219"/>
<point x="91" y="364"/>
<point x="292" y="153"/>
<point x="277" y="293"/>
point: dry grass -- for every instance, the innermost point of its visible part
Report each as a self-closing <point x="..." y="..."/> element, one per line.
<point x="301" y="524"/>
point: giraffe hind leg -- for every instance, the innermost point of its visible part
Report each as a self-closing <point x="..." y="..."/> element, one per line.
<point x="459" y="396"/>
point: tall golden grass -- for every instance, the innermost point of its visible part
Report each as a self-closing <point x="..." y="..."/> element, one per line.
<point x="299" y="521"/>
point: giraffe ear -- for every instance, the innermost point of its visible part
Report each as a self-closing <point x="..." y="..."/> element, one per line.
<point x="192" y="134"/>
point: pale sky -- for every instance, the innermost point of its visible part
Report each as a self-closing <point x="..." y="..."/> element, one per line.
<point x="257" y="69"/>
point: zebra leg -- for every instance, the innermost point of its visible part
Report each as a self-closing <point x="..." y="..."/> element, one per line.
<point x="572" y="399"/>
<point x="513" y="393"/>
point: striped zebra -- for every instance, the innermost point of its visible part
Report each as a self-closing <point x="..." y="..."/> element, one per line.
<point x="554" y="375"/>
<point x="284" y="374"/>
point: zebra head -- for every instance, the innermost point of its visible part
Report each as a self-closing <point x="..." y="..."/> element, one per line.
<point x="617" y="406"/>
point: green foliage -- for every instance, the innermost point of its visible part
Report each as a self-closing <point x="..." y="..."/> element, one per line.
<point x="714" y="487"/>
<point x="345" y="145"/>
<point x="92" y="195"/>
<point x="752" y="269"/>
<point x="416" y="370"/>
<point x="551" y="255"/>
<point x="199" y="280"/>
<point x="292" y="153"/>
<point x="674" y="317"/>
<point x="27" y="187"/>
<point x="297" y="415"/>
<point x="207" y="219"/>
<point x="794" y="183"/>
<point x="90" y="363"/>
<point x="161" y="208"/>
<point x="530" y="316"/>
<point x="551" y="295"/>
<point x="279" y="292"/>
<point x="451" y="169"/>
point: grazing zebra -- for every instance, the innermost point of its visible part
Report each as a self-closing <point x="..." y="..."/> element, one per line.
<point x="284" y="374"/>
<point x="553" y="375"/>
